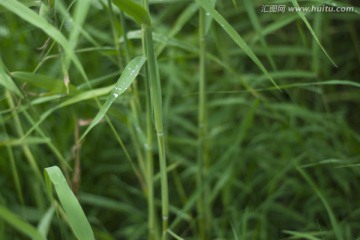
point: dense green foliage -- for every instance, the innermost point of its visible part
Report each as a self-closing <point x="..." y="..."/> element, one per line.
<point x="257" y="113"/>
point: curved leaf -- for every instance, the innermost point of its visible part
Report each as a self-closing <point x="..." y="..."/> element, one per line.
<point x="302" y="16"/>
<point x="125" y="80"/>
<point x="234" y="36"/>
<point x="134" y="10"/>
<point x="74" y="213"/>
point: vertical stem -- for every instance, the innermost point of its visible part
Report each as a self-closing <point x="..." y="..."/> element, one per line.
<point x="149" y="150"/>
<point x="149" y="155"/>
<point x="202" y="206"/>
<point x="76" y="178"/>
<point x="26" y="149"/>
<point x="150" y="167"/>
<point x="156" y="102"/>
<point x="126" y="43"/>
<point x="115" y="33"/>
<point x="156" y="105"/>
<point x="14" y="170"/>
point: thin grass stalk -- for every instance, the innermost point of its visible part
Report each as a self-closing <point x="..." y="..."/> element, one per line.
<point x="153" y="234"/>
<point x="203" y="160"/>
<point x="26" y="149"/>
<point x="135" y="98"/>
<point x="156" y="105"/>
<point x="50" y="144"/>
<point x="150" y="168"/>
<point x="127" y="59"/>
<point x="156" y="102"/>
<point x="148" y="148"/>
<point x="126" y="43"/>
<point x="115" y="33"/>
<point x="14" y="172"/>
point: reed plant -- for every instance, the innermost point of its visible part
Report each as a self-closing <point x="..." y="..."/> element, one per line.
<point x="176" y="119"/>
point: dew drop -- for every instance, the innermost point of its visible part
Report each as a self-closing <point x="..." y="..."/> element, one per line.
<point x="147" y="147"/>
<point x="115" y="95"/>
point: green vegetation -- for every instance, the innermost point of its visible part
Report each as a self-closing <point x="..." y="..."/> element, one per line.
<point x="179" y="119"/>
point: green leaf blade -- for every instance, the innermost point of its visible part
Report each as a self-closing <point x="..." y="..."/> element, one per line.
<point x="127" y="77"/>
<point x="7" y="82"/>
<point x="40" y="22"/>
<point x="75" y="215"/>
<point x="302" y="16"/>
<point x="234" y="36"/>
<point x="134" y="10"/>
<point x="19" y="224"/>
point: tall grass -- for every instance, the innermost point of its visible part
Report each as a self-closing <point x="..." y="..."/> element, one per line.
<point x="183" y="120"/>
<point x="154" y="87"/>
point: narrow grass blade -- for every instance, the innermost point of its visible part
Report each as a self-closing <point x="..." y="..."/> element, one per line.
<point x="74" y="213"/>
<point x="7" y="82"/>
<point x="91" y="94"/>
<point x="108" y="203"/>
<point x="27" y="141"/>
<point x="45" y="222"/>
<point x="234" y="36"/>
<point x="234" y="232"/>
<point x="80" y="13"/>
<point x="174" y="42"/>
<point x="302" y="16"/>
<point x="75" y="23"/>
<point x="127" y="77"/>
<point x="174" y="235"/>
<point x="300" y="235"/>
<point x="324" y="83"/>
<point x="255" y="20"/>
<point x="134" y="10"/>
<point x="181" y="21"/>
<point x="246" y="124"/>
<point x="274" y="26"/>
<point x="334" y="223"/>
<point x="208" y="18"/>
<point x="28" y="3"/>
<point x="19" y="224"/>
<point x="30" y="16"/>
<point x="42" y="81"/>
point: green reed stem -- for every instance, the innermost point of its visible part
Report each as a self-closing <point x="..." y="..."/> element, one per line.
<point x="156" y="105"/>
<point x="202" y="161"/>
<point x="26" y="149"/>
<point x="149" y="155"/>
<point x="150" y="167"/>
<point x="13" y="167"/>
<point x="115" y="33"/>
<point x="156" y="102"/>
